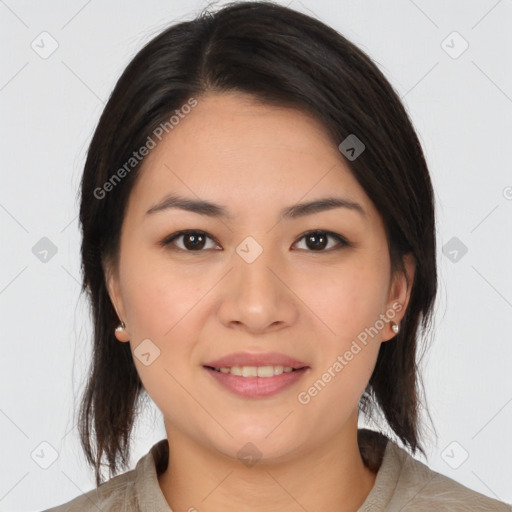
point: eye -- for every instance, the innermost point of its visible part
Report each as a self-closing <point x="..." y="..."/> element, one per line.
<point x="195" y="240"/>
<point x="317" y="240"/>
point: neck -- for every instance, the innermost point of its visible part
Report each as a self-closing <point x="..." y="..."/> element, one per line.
<point x="331" y="477"/>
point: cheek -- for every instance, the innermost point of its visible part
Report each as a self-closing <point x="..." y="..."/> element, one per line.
<point x="348" y="302"/>
<point x="162" y="305"/>
<point x="158" y="298"/>
<point x="349" y="299"/>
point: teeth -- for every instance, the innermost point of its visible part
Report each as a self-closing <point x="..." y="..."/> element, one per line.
<point x="256" y="371"/>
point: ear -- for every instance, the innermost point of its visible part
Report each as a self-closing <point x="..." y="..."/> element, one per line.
<point x="399" y="295"/>
<point x="114" y="292"/>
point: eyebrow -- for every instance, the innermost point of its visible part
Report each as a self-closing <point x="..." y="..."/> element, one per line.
<point x="209" y="209"/>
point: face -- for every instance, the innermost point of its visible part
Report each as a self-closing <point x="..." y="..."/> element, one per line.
<point x="312" y="287"/>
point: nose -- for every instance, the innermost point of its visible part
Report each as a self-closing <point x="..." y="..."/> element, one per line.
<point x="256" y="297"/>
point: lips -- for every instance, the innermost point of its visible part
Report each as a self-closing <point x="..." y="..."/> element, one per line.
<point x="255" y="359"/>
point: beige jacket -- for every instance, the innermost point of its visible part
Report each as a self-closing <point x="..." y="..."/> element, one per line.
<point x="403" y="484"/>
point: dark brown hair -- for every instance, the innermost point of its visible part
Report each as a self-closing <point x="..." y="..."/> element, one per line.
<point x="283" y="58"/>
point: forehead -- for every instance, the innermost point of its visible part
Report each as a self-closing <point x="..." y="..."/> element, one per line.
<point x="241" y="153"/>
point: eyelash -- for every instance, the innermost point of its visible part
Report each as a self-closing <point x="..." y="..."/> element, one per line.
<point x="167" y="241"/>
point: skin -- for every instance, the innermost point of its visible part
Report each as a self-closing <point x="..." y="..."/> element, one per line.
<point x="304" y="302"/>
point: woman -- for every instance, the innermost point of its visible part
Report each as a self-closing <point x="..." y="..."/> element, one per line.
<point x="259" y="252"/>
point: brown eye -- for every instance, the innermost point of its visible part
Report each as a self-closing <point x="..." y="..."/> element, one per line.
<point x="192" y="241"/>
<point x="317" y="241"/>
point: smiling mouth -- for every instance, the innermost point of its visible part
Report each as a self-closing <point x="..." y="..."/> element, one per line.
<point x="256" y="371"/>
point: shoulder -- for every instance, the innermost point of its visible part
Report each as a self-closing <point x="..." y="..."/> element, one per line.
<point x="113" y="495"/>
<point x="132" y="490"/>
<point x="419" y="488"/>
<point x="406" y="484"/>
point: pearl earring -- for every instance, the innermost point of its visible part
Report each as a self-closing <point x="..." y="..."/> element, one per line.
<point x="395" y="327"/>
<point x="121" y="327"/>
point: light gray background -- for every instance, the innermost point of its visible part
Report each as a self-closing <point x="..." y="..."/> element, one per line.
<point x="462" y="110"/>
